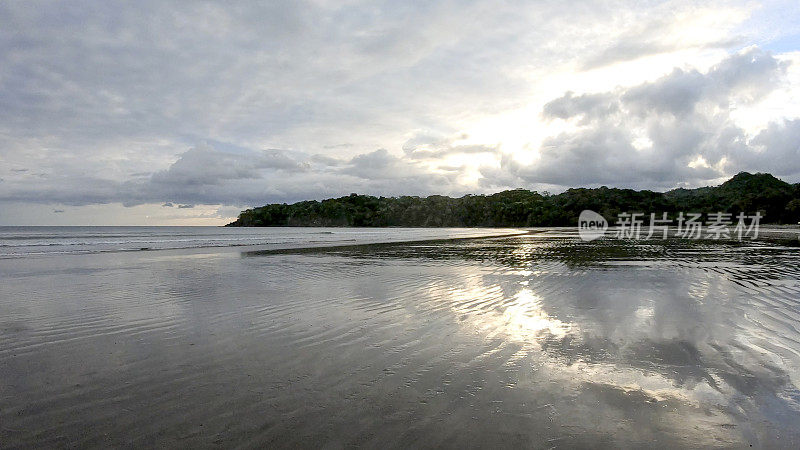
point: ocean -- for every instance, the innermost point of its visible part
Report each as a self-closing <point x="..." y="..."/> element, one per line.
<point x="31" y="241"/>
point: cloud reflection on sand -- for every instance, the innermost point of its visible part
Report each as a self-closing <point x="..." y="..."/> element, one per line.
<point x="671" y="324"/>
<point x="538" y="340"/>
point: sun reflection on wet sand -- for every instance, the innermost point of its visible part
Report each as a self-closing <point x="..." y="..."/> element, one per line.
<point x="525" y="320"/>
<point x="534" y="341"/>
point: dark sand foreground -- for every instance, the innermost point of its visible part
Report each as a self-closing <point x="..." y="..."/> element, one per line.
<point x="539" y="340"/>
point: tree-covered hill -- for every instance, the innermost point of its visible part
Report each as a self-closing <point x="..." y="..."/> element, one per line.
<point x="778" y="201"/>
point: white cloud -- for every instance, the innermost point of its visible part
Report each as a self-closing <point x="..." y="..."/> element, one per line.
<point x="654" y="134"/>
<point x="204" y="165"/>
<point x="244" y="104"/>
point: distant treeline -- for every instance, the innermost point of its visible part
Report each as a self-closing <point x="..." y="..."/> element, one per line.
<point x="778" y="201"/>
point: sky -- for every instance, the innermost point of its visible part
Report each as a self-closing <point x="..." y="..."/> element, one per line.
<point x="185" y="113"/>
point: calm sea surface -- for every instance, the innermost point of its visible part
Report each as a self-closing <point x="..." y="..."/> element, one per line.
<point x="537" y="340"/>
<point x="27" y="241"/>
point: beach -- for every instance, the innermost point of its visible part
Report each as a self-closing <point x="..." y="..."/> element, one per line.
<point x="449" y="340"/>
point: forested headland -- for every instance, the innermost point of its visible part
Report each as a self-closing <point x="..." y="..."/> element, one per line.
<point x="778" y="202"/>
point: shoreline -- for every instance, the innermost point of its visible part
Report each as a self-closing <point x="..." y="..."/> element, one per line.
<point x="784" y="235"/>
<point x="262" y="247"/>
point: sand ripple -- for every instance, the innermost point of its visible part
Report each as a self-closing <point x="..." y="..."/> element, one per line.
<point x="539" y="340"/>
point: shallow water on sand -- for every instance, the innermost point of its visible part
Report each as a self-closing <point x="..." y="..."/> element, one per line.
<point x="22" y="242"/>
<point x="540" y="340"/>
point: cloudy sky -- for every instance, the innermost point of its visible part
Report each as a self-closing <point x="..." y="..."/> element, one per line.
<point x="187" y="112"/>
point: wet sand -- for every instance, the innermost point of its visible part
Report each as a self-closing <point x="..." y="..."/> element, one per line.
<point x="539" y="340"/>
